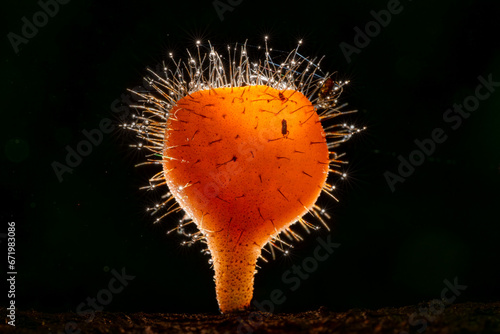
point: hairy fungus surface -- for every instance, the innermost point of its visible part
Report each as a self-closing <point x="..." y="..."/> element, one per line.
<point x="244" y="153"/>
<point x="244" y="163"/>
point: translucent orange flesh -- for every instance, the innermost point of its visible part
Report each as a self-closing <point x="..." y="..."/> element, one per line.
<point x="244" y="163"/>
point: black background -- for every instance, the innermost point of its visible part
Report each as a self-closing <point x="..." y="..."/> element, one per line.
<point x="396" y="247"/>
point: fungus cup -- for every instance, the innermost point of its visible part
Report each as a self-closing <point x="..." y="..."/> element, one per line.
<point x="244" y="153"/>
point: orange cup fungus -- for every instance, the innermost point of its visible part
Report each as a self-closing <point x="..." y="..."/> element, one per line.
<point x="244" y="154"/>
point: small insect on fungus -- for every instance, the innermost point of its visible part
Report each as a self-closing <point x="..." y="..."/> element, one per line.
<point x="213" y="122"/>
<point x="284" y="128"/>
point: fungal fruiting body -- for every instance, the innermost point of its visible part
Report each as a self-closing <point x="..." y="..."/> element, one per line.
<point x="244" y="153"/>
<point x="244" y="179"/>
